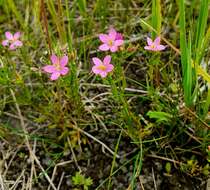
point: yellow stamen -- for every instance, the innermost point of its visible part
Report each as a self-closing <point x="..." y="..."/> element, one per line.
<point x="153" y="46"/>
<point x="102" y="67"/>
<point x="58" y="66"/>
<point x="110" y="42"/>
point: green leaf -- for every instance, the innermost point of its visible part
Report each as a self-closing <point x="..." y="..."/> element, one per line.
<point x="80" y="179"/>
<point x="161" y="117"/>
<point x="168" y="167"/>
<point x="82" y="7"/>
<point x="88" y="181"/>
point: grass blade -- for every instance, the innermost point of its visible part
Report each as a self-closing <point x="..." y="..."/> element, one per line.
<point x="156" y="17"/>
<point x="200" y="29"/>
<point x="185" y="56"/>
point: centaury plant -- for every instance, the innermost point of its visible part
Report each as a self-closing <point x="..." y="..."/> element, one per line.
<point x="95" y="95"/>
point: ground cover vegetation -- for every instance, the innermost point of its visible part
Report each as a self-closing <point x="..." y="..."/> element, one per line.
<point x="104" y="94"/>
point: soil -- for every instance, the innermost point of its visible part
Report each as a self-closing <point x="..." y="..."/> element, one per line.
<point x="94" y="162"/>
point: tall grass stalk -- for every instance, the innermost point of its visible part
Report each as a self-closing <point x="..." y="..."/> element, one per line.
<point x="69" y="27"/>
<point x="114" y="160"/>
<point x="200" y="31"/>
<point x="82" y="4"/>
<point x="117" y="170"/>
<point x="137" y="166"/>
<point x="186" y="60"/>
<point x="190" y="62"/>
<point x="12" y="6"/>
<point x="202" y="38"/>
<point x="156" y="17"/>
<point x="45" y="25"/>
<point x="57" y="19"/>
<point x="154" y="72"/>
<point x="129" y="120"/>
<point x="207" y="103"/>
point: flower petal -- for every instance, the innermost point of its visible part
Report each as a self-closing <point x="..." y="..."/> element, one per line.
<point x="54" y="59"/>
<point x="64" y="61"/>
<point x="5" y="42"/>
<point x="18" y="43"/>
<point x="49" y="68"/>
<point x="113" y="48"/>
<point x="16" y="35"/>
<point x="97" y="61"/>
<point x="112" y="34"/>
<point x="157" y="41"/>
<point x="55" y="76"/>
<point x="149" y="41"/>
<point x="119" y="36"/>
<point x="12" y="46"/>
<point x="107" y="59"/>
<point x="104" y="47"/>
<point x="104" y="38"/>
<point x="148" y="48"/>
<point x="103" y="74"/>
<point x="161" y="47"/>
<point x="9" y="35"/>
<point x="15" y="44"/>
<point x="64" y="71"/>
<point x="96" y="70"/>
<point x="118" y="42"/>
<point x="109" y="68"/>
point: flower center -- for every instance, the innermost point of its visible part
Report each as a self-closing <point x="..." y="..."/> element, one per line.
<point x="13" y="40"/>
<point x="58" y="66"/>
<point x="102" y="67"/>
<point x="153" y="46"/>
<point x="110" y="42"/>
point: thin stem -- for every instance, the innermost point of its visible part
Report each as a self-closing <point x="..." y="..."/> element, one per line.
<point x="45" y="23"/>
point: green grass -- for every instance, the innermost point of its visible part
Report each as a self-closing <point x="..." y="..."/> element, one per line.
<point x="189" y="45"/>
<point x="157" y="103"/>
<point x="156" y="18"/>
<point x="185" y="47"/>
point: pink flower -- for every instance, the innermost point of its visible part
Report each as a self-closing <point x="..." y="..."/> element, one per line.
<point x="102" y="68"/>
<point x="154" y="45"/>
<point x="119" y="36"/>
<point x="58" y="67"/>
<point x="12" y="40"/>
<point x="111" y="42"/>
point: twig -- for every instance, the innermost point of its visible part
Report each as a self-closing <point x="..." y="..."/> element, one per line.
<point x="153" y="176"/>
<point x="32" y="166"/>
<point x="141" y="183"/>
<point x="163" y="158"/>
<point x="61" y="179"/>
<point x="18" y="180"/>
<point x="55" y="169"/>
<point x="193" y="137"/>
<point x="24" y="183"/>
<point x="194" y="114"/>
<point x="94" y="85"/>
<point x="73" y="154"/>
<point x="95" y="139"/>
<point x="11" y="160"/>
<point x="99" y="95"/>
<point x="44" y="172"/>
<point x="27" y="141"/>
<point x="108" y="86"/>
<point x="2" y="186"/>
